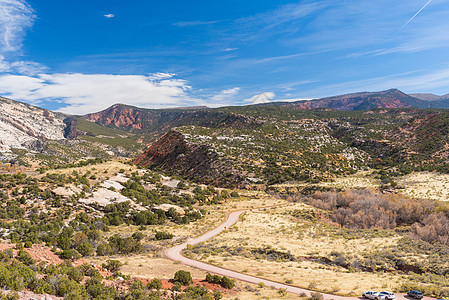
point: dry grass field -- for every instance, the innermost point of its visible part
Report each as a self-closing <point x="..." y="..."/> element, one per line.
<point x="215" y="215"/>
<point x="425" y="185"/>
<point x="278" y="229"/>
<point x="151" y="265"/>
<point x="147" y="267"/>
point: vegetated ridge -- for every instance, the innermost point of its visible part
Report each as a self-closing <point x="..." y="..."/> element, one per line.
<point x="156" y="122"/>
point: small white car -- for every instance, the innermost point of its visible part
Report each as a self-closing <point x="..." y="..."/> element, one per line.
<point x="384" y="296"/>
<point x="370" y="294"/>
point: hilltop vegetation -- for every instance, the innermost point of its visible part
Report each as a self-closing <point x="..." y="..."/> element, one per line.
<point x="304" y="145"/>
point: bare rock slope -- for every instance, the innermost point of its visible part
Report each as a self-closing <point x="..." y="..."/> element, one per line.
<point x="23" y="125"/>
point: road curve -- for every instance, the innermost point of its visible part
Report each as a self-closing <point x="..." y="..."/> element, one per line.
<point x="175" y="253"/>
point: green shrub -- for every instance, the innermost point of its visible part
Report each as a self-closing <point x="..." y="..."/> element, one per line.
<point x="112" y="265"/>
<point x="160" y="235"/>
<point x="155" y="284"/>
<point x="25" y="257"/>
<point x="183" y="277"/>
<point x="227" y="283"/>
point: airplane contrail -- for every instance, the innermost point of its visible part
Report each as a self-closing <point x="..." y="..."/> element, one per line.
<point x="414" y="16"/>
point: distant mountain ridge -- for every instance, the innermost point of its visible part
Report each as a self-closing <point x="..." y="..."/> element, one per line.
<point x="392" y="98"/>
<point x="159" y="121"/>
<point x="429" y="96"/>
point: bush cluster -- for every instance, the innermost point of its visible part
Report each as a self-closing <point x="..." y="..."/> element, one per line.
<point x="224" y="281"/>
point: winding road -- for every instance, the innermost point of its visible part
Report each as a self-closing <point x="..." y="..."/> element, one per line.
<point x="175" y="253"/>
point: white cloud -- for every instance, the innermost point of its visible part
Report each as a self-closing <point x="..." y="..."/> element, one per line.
<point x="229" y="49"/>
<point x="27" y="67"/>
<point x="21" y="67"/>
<point x="160" y="76"/>
<point x="20" y="88"/>
<point x="4" y="65"/>
<point x="109" y="16"/>
<point x="83" y="93"/>
<point x="264" y="97"/>
<point x="15" y="17"/>
<point x="226" y="94"/>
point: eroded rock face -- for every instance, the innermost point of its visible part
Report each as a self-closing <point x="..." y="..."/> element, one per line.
<point x="22" y="125"/>
<point x="172" y="144"/>
<point x="197" y="162"/>
<point x="119" y="116"/>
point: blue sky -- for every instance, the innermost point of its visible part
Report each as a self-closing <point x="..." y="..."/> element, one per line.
<point x="83" y="56"/>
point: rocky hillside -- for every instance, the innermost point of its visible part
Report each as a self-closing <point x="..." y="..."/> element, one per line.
<point x="426" y="136"/>
<point x="154" y="123"/>
<point x="279" y="151"/>
<point x="24" y="126"/>
<point x="304" y="145"/>
<point x="174" y="153"/>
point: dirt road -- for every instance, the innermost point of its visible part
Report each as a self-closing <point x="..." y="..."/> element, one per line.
<point x="175" y="253"/>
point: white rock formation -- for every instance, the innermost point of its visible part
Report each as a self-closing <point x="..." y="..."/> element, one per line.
<point x="22" y="124"/>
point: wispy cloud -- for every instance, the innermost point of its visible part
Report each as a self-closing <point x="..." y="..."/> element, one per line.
<point x="16" y="16"/>
<point x="229" y="49"/>
<point x="160" y="76"/>
<point x="284" y="14"/>
<point x="288" y="86"/>
<point x="225" y="94"/>
<point x="371" y="28"/>
<point x="264" y="97"/>
<point x="281" y="57"/>
<point x="195" y="23"/>
<point x="279" y="21"/>
<point x="21" y="67"/>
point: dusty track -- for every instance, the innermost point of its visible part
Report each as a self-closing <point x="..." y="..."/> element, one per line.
<point x="175" y="253"/>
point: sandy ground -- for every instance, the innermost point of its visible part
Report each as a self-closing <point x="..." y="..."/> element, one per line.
<point x="142" y="266"/>
<point x="425" y="185"/>
<point x="283" y="233"/>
